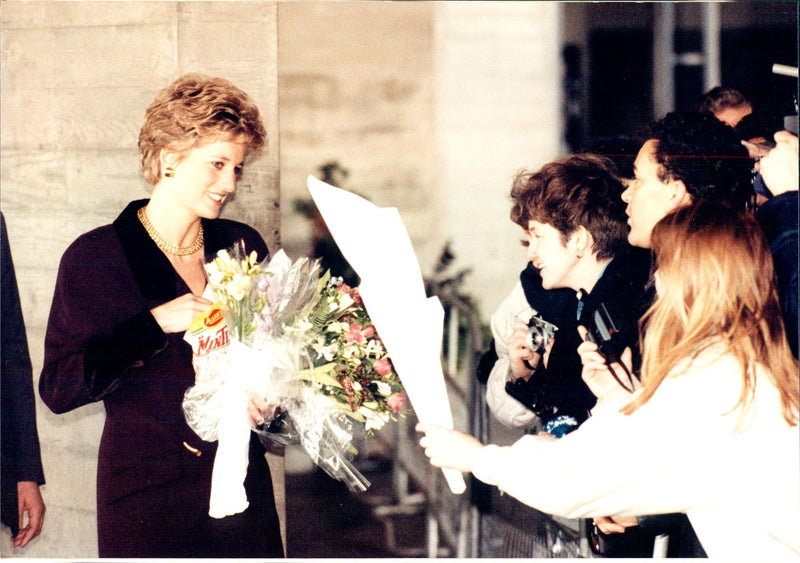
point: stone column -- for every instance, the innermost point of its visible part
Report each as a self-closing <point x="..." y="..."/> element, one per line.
<point x="498" y="110"/>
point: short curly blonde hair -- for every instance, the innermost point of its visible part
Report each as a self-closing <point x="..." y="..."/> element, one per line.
<point x="193" y="110"/>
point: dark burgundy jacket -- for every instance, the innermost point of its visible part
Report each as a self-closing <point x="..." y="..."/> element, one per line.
<point x="102" y="343"/>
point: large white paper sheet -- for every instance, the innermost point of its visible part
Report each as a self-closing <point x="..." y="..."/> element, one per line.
<point x="375" y="242"/>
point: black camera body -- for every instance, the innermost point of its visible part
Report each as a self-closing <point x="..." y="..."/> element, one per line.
<point x="604" y="332"/>
<point x="540" y="333"/>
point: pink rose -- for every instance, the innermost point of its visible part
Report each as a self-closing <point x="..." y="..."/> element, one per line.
<point x="396" y="401"/>
<point x="383" y="366"/>
<point x="355" y="333"/>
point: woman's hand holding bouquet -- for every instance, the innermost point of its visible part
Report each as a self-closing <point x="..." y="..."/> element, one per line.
<point x="294" y="352"/>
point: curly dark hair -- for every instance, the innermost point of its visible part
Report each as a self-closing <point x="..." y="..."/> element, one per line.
<point x="582" y="190"/>
<point x="705" y="154"/>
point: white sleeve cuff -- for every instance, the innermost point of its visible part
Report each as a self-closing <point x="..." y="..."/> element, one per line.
<point x="485" y="461"/>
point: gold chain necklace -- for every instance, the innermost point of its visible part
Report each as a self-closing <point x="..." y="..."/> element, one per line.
<point x="163" y="244"/>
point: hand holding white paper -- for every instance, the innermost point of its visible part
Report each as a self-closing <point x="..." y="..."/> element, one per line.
<point x="410" y="324"/>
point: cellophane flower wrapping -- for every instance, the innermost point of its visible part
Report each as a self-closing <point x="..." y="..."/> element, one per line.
<point x="285" y="335"/>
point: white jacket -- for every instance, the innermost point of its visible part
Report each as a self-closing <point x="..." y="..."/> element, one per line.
<point x="677" y="453"/>
<point x="503" y="406"/>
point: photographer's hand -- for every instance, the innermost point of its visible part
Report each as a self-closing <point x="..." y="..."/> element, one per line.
<point x="779" y="167"/>
<point x="520" y="356"/>
<point x="596" y="372"/>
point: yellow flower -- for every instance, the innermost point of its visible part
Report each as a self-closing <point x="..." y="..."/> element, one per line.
<point x="239" y="287"/>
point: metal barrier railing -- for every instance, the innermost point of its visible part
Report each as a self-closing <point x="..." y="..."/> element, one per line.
<point x="450" y="520"/>
<point x="482" y="522"/>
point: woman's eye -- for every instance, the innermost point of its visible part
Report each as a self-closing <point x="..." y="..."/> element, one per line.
<point x="525" y="242"/>
<point x="218" y="165"/>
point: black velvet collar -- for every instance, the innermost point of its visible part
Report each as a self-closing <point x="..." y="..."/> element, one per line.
<point x="155" y="276"/>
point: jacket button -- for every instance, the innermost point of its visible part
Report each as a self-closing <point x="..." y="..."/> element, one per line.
<point x="192" y="450"/>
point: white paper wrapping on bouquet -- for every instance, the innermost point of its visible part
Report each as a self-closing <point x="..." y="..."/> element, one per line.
<point x="228" y="495"/>
<point x="215" y="407"/>
<point x="410" y="324"/>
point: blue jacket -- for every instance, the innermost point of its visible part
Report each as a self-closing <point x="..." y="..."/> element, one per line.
<point x="778" y="218"/>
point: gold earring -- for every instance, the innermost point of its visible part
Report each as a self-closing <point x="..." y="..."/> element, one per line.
<point x="169" y="172"/>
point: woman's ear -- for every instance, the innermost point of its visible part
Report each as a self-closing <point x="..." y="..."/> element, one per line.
<point x="581" y="241"/>
<point x="168" y="160"/>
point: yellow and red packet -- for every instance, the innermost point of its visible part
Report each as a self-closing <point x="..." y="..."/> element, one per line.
<point x="208" y="332"/>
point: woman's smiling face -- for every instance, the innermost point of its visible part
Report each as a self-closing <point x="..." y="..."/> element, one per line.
<point x="548" y="254"/>
<point x="206" y="175"/>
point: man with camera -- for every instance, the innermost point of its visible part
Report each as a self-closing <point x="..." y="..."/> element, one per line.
<point x="685" y="158"/>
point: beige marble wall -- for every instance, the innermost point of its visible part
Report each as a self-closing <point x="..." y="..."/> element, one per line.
<point x="76" y="79"/>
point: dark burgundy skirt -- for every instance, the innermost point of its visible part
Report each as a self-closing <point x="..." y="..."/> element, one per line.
<point x="170" y="519"/>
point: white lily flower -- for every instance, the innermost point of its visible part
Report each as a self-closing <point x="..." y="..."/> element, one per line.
<point x="329" y="352"/>
<point x="351" y="352"/>
<point x="374" y="420"/>
<point x="215" y="277"/>
<point x="345" y="301"/>
<point x="336" y="327"/>
<point x="239" y="287"/>
<point x="374" y="348"/>
<point x="383" y="388"/>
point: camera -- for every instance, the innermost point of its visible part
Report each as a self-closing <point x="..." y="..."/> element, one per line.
<point x="604" y="332"/>
<point x="610" y="343"/>
<point x="540" y="333"/>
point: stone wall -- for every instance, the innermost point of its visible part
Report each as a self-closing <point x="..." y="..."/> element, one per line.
<point x="432" y="107"/>
<point x="76" y="79"/>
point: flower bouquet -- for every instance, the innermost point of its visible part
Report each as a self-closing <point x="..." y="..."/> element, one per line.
<point x="300" y="346"/>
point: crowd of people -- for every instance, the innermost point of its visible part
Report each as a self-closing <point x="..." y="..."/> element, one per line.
<point x="648" y="349"/>
<point x="668" y="379"/>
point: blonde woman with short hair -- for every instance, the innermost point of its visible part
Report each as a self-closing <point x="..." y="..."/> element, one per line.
<point x="125" y="295"/>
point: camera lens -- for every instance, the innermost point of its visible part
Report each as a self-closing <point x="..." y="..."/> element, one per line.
<point x="536" y="339"/>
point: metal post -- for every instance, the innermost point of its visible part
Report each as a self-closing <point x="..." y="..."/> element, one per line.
<point x="663" y="58"/>
<point x="711" y="49"/>
<point x="452" y="344"/>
